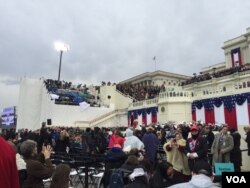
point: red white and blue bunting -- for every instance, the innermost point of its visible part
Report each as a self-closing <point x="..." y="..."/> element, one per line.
<point x="144" y="116"/>
<point x="233" y="110"/>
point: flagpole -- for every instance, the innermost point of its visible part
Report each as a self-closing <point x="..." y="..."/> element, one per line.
<point x="154" y="58"/>
<point x="155" y="64"/>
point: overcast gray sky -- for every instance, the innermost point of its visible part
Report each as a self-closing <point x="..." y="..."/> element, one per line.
<point x="112" y="40"/>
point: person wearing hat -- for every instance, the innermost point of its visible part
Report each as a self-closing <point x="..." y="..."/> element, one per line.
<point x="202" y="176"/>
<point x="196" y="147"/>
<point x="115" y="157"/>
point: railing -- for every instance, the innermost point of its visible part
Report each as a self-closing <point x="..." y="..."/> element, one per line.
<point x="103" y="117"/>
<point x="181" y="94"/>
<point x="149" y="102"/>
<point x="174" y="95"/>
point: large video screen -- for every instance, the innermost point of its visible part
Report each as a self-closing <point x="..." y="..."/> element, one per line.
<point x="8" y="117"/>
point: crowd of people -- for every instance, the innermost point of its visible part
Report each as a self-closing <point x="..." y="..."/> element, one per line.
<point x="190" y="153"/>
<point x="217" y="74"/>
<point x="140" y="93"/>
<point x="69" y="94"/>
<point x="50" y="84"/>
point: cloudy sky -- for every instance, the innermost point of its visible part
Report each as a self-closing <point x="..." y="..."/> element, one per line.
<point x="112" y="40"/>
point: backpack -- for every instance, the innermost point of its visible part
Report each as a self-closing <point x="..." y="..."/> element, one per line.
<point x="116" y="179"/>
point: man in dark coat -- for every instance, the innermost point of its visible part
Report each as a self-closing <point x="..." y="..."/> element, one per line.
<point x="196" y="147"/>
<point x="151" y="143"/>
<point x="235" y="153"/>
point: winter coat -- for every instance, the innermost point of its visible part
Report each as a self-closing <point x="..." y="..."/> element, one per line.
<point x="226" y="144"/>
<point x="36" y="172"/>
<point x="132" y="141"/>
<point x="176" y="156"/>
<point x="151" y="145"/>
<point x="201" y="148"/>
<point x="197" y="181"/>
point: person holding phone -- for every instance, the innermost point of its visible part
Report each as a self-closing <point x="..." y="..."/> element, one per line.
<point x="174" y="150"/>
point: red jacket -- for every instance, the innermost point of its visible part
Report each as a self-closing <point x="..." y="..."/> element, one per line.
<point x="115" y="139"/>
<point x="8" y="170"/>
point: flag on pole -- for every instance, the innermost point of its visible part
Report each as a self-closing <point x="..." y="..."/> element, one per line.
<point x="154" y="58"/>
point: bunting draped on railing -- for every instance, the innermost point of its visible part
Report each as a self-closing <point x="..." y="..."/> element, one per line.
<point x="144" y="116"/>
<point x="233" y="107"/>
<point x="228" y="101"/>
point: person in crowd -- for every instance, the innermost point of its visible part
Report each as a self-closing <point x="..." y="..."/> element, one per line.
<point x="139" y="133"/>
<point x="137" y="153"/>
<point x="99" y="140"/>
<point x="162" y="137"/>
<point x="77" y="142"/>
<point x="63" y="141"/>
<point x="132" y="141"/>
<point x="138" y="178"/>
<point x="202" y="176"/>
<point x="60" y="177"/>
<point x="184" y="131"/>
<point x="115" y="157"/>
<point x="222" y="145"/>
<point x="150" y="142"/>
<point x="88" y="139"/>
<point x="8" y="168"/>
<point x="208" y="133"/>
<point x="45" y="137"/>
<point x="132" y="118"/>
<point x="174" y="150"/>
<point x="196" y="147"/>
<point x="36" y="170"/>
<point x="131" y="163"/>
<point x="235" y="153"/>
<point x="247" y="139"/>
<point x="84" y="143"/>
<point x="21" y="164"/>
<point x="163" y="175"/>
<point x="116" y="137"/>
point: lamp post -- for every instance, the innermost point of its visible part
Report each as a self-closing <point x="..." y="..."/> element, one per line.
<point x="61" y="47"/>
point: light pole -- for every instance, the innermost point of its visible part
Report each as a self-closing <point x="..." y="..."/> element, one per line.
<point x="61" y="47"/>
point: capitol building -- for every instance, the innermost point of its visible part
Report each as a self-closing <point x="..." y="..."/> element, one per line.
<point x="218" y="94"/>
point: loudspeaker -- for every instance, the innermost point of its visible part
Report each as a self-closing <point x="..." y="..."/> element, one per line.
<point x="49" y="122"/>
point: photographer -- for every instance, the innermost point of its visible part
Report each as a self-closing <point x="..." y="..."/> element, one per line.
<point x="174" y="153"/>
